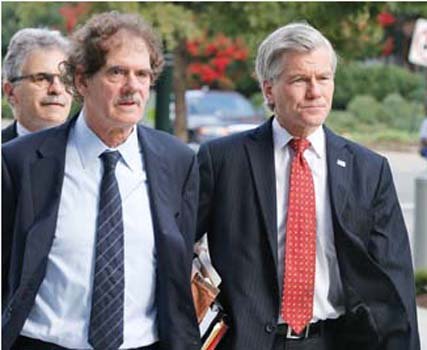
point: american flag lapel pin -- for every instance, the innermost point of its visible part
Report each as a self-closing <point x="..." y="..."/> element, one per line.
<point x="341" y="163"/>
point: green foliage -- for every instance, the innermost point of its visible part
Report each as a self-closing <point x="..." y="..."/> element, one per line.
<point x="173" y="21"/>
<point x="75" y="108"/>
<point x="376" y="80"/>
<point x="6" y="111"/>
<point x="341" y="121"/>
<point x="393" y="121"/>
<point x="421" y="281"/>
<point x="402" y="114"/>
<point x="394" y="112"/>
<point x="18" y="15"/>
<point x="366" y="110"/>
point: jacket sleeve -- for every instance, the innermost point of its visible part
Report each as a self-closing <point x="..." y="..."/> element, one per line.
<point x="190" y="196"/>
<point x="389" y="245"/>
<point x="8" y="218"/>
<point x="206" y="191"/>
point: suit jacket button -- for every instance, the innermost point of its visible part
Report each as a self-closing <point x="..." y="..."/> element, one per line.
<point x="269" y="328"/>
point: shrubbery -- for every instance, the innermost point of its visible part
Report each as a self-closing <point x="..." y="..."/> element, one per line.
<point x="421" y="281"/>
<point x="393" y="122"/>
<point x="6" y="112"/>
<point x="376" y="80"/>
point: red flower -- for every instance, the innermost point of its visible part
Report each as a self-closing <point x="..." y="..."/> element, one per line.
<point x="71" y="13"/>
<point x="211" y="49"/>
<point x="192" y="47"/>
<point x="195" y="68"/>
<point x="240" y="54"/>
<point x="208" y="75"/>
<point x="385" y="19"/>
<point x="388" y="47"/>
<point x="221" y="63"/>
<point x="211" y="58"/>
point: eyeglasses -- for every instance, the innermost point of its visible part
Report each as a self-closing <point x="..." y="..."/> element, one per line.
<point x="118" y="74"/>
<point x="41" y="79"/>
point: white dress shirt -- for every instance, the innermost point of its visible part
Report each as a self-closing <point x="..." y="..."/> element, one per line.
<point x="61" y="313"/>
<point x="21" y="130"/>
<point x="328" y="293"/>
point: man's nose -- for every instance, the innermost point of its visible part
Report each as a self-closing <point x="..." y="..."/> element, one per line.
<point x="56" y="87"/>
<point x="314" y="89"/>
<point x="132" y="83"/>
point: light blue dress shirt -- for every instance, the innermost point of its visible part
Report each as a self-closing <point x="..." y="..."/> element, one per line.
<point x="61" y="312"/>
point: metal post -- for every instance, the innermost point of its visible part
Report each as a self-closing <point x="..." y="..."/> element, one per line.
<point x="163" y="92"/>
<point x="420" y="232"/>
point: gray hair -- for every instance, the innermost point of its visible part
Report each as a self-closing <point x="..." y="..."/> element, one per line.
<point x="26" y="41"/>
<point x="300" y="37"/>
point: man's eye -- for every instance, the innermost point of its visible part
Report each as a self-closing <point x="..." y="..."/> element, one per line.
<point x="144" y="74"/>
<point x="298" y="80"/>
<point x="41" y="77"/>
<point x="117" y="71"/>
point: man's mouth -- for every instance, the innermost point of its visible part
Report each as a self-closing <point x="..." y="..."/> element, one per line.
<point x="127" y="103"/>
<point x="53" y="104"/>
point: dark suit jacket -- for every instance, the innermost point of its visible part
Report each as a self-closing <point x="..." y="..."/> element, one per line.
<point x="9" y="133"/>
<point x="238" y="211"/>
<point x="33" y="172"/>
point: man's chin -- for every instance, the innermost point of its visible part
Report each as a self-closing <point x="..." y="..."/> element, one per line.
<point x="53" y="119"/>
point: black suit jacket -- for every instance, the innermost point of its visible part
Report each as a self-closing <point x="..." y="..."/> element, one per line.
<point x="9" y="133"/>
<point x="33" y="172"/>
<point x="238" y="211"/>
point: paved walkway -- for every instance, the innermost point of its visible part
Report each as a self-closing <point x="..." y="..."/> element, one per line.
<point x="422" y="326"/>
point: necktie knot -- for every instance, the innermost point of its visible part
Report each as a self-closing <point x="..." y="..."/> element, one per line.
<point x="299" y="145"/>
<point x="110" y="159"/>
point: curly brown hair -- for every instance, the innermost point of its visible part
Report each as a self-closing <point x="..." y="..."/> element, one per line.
<point x="90" y="45"/>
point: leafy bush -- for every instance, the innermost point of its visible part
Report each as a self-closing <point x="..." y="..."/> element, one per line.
<point x="366" y="109"/>
<point x="341" y="121"/>
<point x="6" y="112"/>
<point x="402" y="114"/>
<point x="377" y="80"/>
<point x="394" y="112"/>
<point x="421" y="281"/>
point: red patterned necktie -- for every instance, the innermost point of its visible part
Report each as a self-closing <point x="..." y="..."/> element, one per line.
<point x="300" y="247"/>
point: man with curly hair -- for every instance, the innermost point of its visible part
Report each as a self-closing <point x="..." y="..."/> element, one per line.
<point x="99" y="214"/>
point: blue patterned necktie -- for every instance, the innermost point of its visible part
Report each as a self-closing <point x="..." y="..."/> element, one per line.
<point x="106" y="317"/>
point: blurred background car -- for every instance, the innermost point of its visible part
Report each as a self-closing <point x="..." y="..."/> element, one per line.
<point x="214" y="113"/>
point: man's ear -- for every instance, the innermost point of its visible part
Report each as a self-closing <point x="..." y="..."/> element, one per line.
<point x="267" y="87"/>
<point x="9" y="92"/>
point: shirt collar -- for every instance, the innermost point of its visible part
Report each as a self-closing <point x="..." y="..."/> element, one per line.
<point x="281" y="137"/>
<point x="90" y="146"/>
<point x="21" y="130"/>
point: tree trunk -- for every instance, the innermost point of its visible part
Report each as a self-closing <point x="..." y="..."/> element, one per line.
<point x="179" y="88"/>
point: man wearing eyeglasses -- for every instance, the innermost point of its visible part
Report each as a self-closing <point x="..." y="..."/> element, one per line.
<point x="99" y="213"/>
<point x="32" y="83"/>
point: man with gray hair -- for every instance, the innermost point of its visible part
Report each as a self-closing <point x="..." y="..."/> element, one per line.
<point x="32" y="83"/>
<point x="303" y="225"/>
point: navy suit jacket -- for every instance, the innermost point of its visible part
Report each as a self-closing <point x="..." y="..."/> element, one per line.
<point x="9" y="133"/>
<point x="33" y="172"/>
<point x="238" y="211"/>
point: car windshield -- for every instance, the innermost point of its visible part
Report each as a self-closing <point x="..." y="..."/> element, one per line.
<point x="223" y="104"/>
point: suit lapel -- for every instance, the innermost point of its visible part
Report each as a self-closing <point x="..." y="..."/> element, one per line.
<point x="46" y="178"/>
<point x="9" y="133"/>
<point x="158" y="178"/>
<point x="260" y="151"/>
<point x="340" y="171"/>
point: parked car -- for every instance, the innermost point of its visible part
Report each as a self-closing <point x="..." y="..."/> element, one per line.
<point x="213" y="113"/>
